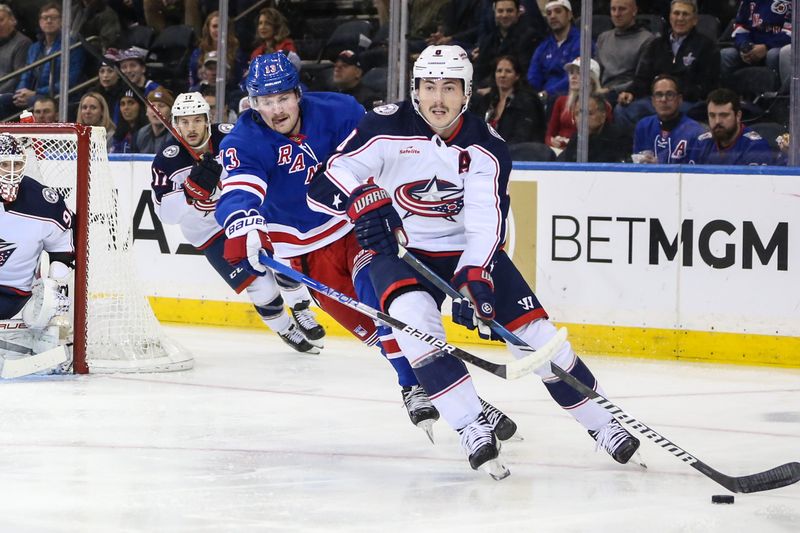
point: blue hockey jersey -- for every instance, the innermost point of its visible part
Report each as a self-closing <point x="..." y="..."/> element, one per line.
<point x="669" y="142"/>
<point x="37" y="220"/>
<point x="270" y="172"/>
<point x="452" y="194"/>
<point x="748" y="149"/>
<point x="171" y="167"/>
<point x="767" y="22"/>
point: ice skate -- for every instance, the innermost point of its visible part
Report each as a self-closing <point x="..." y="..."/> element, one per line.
<point x="478" y="440"/>
<point x="619" y="444"/>
<point x="504" y="428"/>
<point x="420" y="409"/>
<point x="295" y="338"/>
<point x="307" y="322"/>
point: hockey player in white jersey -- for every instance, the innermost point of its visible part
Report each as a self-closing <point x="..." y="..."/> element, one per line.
<point x="435" y="177"/>
<point x="186" y="193"/>
<point x="33" y="309"/>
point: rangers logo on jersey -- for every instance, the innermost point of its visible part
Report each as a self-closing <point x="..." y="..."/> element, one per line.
<point x="431" y="198"/>
<point x="6" y="249"/>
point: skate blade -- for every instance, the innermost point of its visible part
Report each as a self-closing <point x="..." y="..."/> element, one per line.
<point x="319" y="343"/>
<point x="637" y="460"/>
<point x="516" y="437"/>
<point x="496" y="469"/>
<point x="313" y="351"/>
<point x="427" y="427"/>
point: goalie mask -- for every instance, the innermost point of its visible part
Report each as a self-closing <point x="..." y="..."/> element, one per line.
<point x="442" y="62"/>
<point x="191" y="104"/>
<point x="12" y="164"/>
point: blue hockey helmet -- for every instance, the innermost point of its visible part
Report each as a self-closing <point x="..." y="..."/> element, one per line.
<point x="271" y="74"/>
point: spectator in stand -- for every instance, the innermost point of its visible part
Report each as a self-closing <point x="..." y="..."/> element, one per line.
<point x="461" y="22"/>
<point x="785" y="69"/>
<point x="93" y="111"/>
<point x="684" y="53"/>
<point x="109" y="85"/>
<point x="45" y="110"/>
<point x="761" y="28"/>
<point x="425" y="18"/>
<point x="209" y="39"/>
<point x="729" y="142"/>
<point x="561" y="125"/>
<point x="13" y="48"/>
<point x="664" y="137"/>
<point x="510" y="36"/>
<point x="131" y="120"/>
<point x="95" y="17"/>
<point x="546" y="72"/>
<point x="511" y="107"/>
<point x="37" y="81"/>
<point x="619" y="49"/>
<point x="150" y="137"/>
<point x="162" y="13"/>
<point x="272" y="33"/>
<point x="608" y="143"/>
<point x="131" y="62"/>
<point x="347" y="72"/>
<point x="130" y="12"/>
<point x="206" y="73"/>
<point x="227" y="114"/>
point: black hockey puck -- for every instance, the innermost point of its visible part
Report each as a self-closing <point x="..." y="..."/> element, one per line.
<point x="722" y="498"/>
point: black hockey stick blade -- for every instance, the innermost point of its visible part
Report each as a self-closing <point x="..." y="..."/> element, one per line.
<point x="774" y="478"/>
<point x="512" y="370"/>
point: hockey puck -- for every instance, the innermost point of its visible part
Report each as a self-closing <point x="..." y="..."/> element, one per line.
<point x="722" y="498"/>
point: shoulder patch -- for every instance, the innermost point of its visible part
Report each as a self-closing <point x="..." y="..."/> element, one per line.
<point x="704" y="136"/>
<point x="494" y="132"/>
<point x="50" y="195"/>
<point x="387" y="109"/>
<point x="225" y="127"/>
<point x="171" y="151"/>
<point x="752" y="135"/>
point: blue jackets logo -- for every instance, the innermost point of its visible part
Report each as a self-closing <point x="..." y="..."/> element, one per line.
<point x="431" y="198"/>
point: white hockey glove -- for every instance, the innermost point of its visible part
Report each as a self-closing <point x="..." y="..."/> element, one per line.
<point x="48" y="299"/>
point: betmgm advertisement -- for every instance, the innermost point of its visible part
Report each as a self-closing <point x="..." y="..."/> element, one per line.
<point x="664" y="264"/>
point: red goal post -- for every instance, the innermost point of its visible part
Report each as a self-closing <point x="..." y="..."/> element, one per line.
<point x="114" y="328"/>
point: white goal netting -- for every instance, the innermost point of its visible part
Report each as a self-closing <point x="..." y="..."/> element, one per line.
<point x="121" y="332"/>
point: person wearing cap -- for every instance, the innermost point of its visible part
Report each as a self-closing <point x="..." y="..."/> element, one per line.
<point x="131" y="119"/>
<point x="38" y="80"/>
<point x="684" y="53"/>
<point x="509" y="36"/>
<point x="619" y="49"/>
<point x="562" y="120"/>
<point x="546" y="72"/>
<point x="109" y="85"/>
<point x="608" y="143"/>
<point x="347" y="73"/>
<point x="150" y="137"/>
<point x="131" y="62"/>
<point x="13" y="48"/>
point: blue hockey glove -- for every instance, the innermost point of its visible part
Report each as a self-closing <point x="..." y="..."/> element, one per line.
<point x="245" y="237"/>
<point x="378" y="226"/>
<point x="203" y="179"/>
<point x="477" y="306"/>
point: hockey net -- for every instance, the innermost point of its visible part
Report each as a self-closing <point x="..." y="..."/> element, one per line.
<point x="114" y="328"/>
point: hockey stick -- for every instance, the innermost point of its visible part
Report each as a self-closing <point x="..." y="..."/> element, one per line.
<point x="780" y="476"/>
<point x="24" y="366"/>
<point x="513" y="370"/>
<point x="96" y="53"/>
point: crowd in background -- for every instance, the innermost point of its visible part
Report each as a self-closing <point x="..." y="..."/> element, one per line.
<point x="671" y="81"/>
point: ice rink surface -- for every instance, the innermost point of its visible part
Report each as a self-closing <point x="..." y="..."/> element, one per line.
<point x="259" y="438"/>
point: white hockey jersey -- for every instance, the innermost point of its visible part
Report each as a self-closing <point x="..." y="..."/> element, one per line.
<point x="37" y="220"/>
<point x="450" y="193"/>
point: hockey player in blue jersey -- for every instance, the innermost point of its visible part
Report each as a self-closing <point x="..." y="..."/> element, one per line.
<point x="729" y="142"/>
<point x="186" y="193"/>
<point x="664" y="137"/>
<point x="430" y="173"/>
<point x="33" y="218"/>
<point x="270" y="157"/>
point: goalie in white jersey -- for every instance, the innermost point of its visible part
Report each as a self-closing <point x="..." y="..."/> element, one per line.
<point x="429" y="173"/>
<point x="33" y="309"/>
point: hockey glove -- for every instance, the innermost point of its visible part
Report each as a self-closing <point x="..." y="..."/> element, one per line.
<point x="202" y="181"/>
<point x="245" y="237"/>
<point x="377" y="225"/>
<point x="477" y="306"/>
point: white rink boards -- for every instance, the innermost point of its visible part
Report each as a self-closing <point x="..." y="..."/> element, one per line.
<point x="258" y="438"/>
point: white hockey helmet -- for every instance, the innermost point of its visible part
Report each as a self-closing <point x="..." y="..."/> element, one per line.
<point x="439" y="62"/>
<point x="12" y="164"/>
<point x="190" y="104"/>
